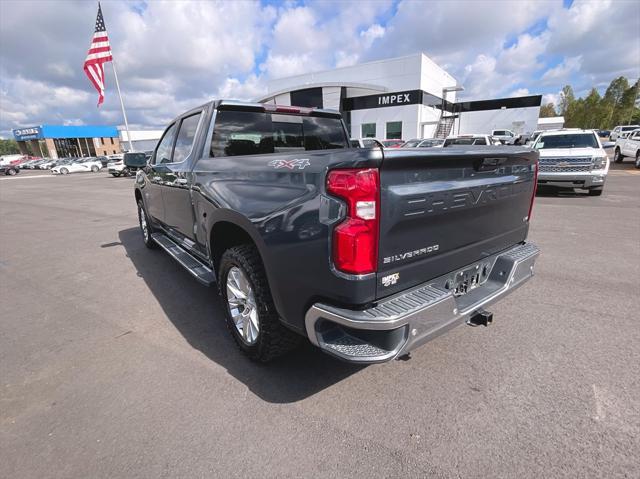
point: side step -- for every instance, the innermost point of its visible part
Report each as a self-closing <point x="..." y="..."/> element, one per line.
<point x="197" y="268"/>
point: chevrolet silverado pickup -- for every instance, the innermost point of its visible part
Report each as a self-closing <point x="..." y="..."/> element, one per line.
<point x="368" y="253"/>
<point x="628" y="145"/>
<point x="572" y="158"/>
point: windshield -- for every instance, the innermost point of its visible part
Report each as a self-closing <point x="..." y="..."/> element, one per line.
<point x="431" y="143"/>
<point x="465" y="141"/>
<point x="629" y="128"/>
<point x="411" y="143"/>
<point x="570" y="140"/>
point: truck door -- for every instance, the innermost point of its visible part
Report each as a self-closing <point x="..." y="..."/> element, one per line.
<point x="176" y="184"/>
<point x="153" y="189"/>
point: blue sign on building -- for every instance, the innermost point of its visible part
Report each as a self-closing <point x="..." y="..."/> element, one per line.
<point x="24" y="134"/>
<point x="65" y="131"/>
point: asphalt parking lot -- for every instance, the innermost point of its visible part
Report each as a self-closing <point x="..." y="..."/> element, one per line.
<point x="114" y="362"/>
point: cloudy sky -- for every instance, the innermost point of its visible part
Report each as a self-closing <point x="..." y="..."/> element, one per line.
<point x="175" y="55"/>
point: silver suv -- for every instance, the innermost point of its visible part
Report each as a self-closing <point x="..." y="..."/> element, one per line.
<point x="572" y="158"/>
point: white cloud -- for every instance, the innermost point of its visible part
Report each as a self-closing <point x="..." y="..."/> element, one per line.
<point x="562" y="72"/>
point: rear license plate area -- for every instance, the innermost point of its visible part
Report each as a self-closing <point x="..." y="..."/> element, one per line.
<point x="467" y="279"/>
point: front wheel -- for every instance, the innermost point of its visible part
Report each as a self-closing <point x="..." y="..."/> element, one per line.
<point x="11" y="172"/>
<point x="597" y="191"/>
<point x="115" y="175"/>
<point x="145" y="227"/>
<point x="64" y="171"/>
<point x="94" y="169"/>
<point x="250" y="313"/>
<point x="638" y="159"/>
<point x="617" y="156"/>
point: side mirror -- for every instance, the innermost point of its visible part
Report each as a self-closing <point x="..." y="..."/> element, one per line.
<point x="135" y="160"/>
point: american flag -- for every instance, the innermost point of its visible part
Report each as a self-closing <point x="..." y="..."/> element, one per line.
<point x="99" y="54"/>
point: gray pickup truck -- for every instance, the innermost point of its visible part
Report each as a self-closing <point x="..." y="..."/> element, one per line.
<point x="368" y="253"/>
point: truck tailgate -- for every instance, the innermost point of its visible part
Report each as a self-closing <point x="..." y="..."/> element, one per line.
<point x="445" y="208"/>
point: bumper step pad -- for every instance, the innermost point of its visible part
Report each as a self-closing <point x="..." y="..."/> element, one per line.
<point x="199" y="270"/>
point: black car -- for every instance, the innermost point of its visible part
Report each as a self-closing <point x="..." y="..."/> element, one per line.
<point x="10" y="170"/>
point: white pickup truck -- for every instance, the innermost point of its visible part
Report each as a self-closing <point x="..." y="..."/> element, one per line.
<point x="628" y="145"/>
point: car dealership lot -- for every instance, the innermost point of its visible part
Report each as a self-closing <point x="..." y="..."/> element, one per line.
<point x="115" y="363"/>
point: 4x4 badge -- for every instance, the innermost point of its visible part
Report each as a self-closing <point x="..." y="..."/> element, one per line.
<point x="300" y="163"/>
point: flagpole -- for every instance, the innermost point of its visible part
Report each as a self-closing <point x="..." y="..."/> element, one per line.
<point x="124" y="113"/>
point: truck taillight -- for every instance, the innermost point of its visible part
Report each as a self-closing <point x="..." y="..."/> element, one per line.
<point x="355" y="239"/>
<point x="535" y="188"/>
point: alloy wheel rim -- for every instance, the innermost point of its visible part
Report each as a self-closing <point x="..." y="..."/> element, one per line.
<point x="143" y="224"/>
<point x="242" y="305"/>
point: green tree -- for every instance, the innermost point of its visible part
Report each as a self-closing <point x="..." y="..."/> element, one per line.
<point x="9" y="147"/>
<point x="566" y="99"/>
<point x="591" y="117"/>
<point x="547" y="110"/>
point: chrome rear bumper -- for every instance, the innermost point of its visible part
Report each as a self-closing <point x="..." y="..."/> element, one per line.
<point x="402" y="322"/>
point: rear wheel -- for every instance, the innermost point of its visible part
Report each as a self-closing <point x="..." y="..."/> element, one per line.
<point x="115" y="175"/>
<point x="64" y="171"/>
<point x="94" y="168"/>
<point x="11" y="172"/>
<point x="597" y="191"/>
<point x="617" y="156"/>
<point x="251" y="316"/>
<point x="145" y="227"/>
<point x="638" y="159"/>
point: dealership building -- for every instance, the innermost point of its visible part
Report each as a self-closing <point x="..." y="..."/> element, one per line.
<point x="406" y="97"/>
<point x="63" y="141"/>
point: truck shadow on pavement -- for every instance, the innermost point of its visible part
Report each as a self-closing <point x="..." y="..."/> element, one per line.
<point x="197" y="314"/>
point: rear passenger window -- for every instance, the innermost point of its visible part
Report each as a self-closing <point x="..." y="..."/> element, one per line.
<point x="186" y="136"/>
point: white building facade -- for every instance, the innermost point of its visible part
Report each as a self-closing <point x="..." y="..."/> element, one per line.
<point x="402" y="98"/>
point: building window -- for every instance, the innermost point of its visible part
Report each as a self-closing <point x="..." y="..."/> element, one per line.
<point x="112" y="141"/>
<point x="368" y="130"/>
<point x="102" y="141"/>
<point x="114" y="152"/>
<point x="394" y="130"/>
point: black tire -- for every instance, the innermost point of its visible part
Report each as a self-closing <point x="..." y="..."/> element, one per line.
<point x="638" y="159"/>
<point x="597" y="191"/>
<point x="11" y="172"/>
<point x="115" y="175"/>
<point x="95" y="168"/>
<point x="617" y="156"/>
<point x="146" y="234"/>
<point x="273" y="339"/>
<point x="64" y="171"/>
<point x="126" y="172"/>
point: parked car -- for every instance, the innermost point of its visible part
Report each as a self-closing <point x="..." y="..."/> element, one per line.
<point x="572" y="158"/>
<point x="424" y="143"/>
<point x="392" y="143"/>
<point x="9" y="169"/>
<point x="366" y="143"/>
<point x="474" y="140"/>
<point x="104" y="160"/>
<point x="307" y="236"/>
<point x="618" y="130"/>
<point x="604" y="133"/>
<point x="628" y="145"/>
<point x="119" y="168"/>
<point x="78" y="166"/>
<point x="506" y="137"/>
